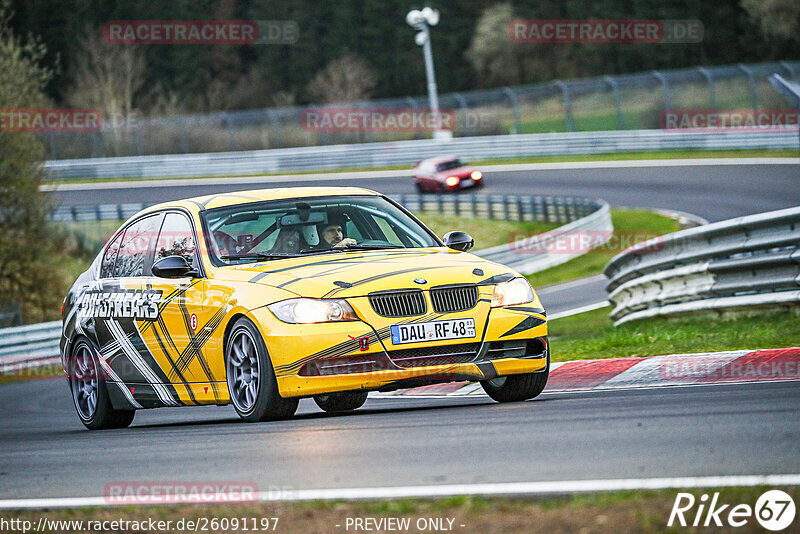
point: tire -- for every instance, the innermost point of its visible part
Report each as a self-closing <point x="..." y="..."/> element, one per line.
<point x="90" y="391"/>
<point x="419" y="188"/>
<point x="251" y="378"/>
<point x="515" y="388"/>
<point x="344" y="401"/>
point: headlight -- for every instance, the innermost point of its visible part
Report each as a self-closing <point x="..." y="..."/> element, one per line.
<point x="516" y="291"/>
<point x="476" y="175"/>
<point x="451" y="181"/>
<point x="305" y="311"/>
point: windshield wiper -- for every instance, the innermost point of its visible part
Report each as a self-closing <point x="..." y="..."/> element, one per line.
<point x="320" y="250"/>
<point x="258" y="256"/>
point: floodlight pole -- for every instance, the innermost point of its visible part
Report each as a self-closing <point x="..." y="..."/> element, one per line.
<point x="422" y="20"/>
<point x="433" y="94"/>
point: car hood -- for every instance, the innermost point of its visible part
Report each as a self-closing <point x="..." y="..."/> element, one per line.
<point x="355" y="274"/>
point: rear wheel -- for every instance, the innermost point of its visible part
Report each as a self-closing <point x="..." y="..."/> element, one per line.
<point x="343" y="401"/>
<point x="514" y="388"/>
<point x="419" y="187"/>
<point x="251" y="378"/>
<point x="90" y="392"/>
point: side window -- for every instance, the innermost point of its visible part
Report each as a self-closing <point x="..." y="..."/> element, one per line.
<point x="110" y="257"/>
<point x="176" y="238"/>
<point x="137" y="246"/>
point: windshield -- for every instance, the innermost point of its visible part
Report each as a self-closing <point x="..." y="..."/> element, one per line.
<point x="289" y="228"/>
<point x="447" y="165"/>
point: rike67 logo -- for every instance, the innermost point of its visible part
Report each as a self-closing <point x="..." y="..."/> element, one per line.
<point x="774" y="510"/>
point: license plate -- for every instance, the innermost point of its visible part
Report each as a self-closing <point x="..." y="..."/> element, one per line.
<point x="432" y="331"/>
<point x="468" y="182"/>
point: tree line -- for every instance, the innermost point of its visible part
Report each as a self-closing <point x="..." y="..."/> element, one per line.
<point x="470" y="44"/>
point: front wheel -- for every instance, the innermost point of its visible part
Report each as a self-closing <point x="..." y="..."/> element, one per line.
<point x="251" y="379"/>
<point x="344" y="401"/>
<point x="90" y="391"/>
<point x="515" y="388"/>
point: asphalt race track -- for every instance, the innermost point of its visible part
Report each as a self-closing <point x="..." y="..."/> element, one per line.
<point x="736" y="429"/>
<point x="663" y="432"/>
<point x="715" y="192"/>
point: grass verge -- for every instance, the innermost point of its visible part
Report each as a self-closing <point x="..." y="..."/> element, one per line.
<point x="592" y="335"/>
<point x="636" y="225"/>
<point x="607" y="156"/>
<point x="487" y="233"/>
<point x="606" y="512"/>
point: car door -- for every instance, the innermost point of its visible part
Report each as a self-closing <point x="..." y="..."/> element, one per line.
<point x="180" y="336"/>
<point x="122" y="307"/>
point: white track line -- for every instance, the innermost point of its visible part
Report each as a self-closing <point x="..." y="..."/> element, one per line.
<point x="372" y="175"/>
<point x="576" y="311"/>
<point x="554" y="288"/>
<point x="445" y="490"/>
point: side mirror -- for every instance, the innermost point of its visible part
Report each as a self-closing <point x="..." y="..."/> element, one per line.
<point x="173" y="267"/>
<point x="461" y="241"/>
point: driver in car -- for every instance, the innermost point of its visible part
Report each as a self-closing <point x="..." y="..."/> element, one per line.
<point x="332" y="235"/>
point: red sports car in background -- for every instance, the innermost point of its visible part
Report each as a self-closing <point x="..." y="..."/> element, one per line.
<point x="445" y="173"/>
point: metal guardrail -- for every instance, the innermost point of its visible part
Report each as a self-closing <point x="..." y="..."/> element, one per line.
<point x="621" y="102"/>
<point x="32" y="344"/>
<point x="743" y="262"/>
<point x="406" y="153"/>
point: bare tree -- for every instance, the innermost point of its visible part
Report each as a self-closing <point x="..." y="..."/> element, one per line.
<point x="346" y="79"/>
<point x="500" y="60"/>
<point x="107" y="77"/>
<point x="492" y="53"/>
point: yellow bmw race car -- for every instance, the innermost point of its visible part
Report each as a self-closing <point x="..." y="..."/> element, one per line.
<point x="260" y="298"/>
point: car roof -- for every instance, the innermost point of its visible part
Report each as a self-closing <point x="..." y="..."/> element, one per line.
<point x="439" y="159"/>
<point x="258" y="195"/>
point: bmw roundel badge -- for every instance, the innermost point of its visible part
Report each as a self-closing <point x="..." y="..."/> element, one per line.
<point x="420" y="281"/>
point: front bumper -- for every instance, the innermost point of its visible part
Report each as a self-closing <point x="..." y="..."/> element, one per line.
<point x="389" y="380"/>
<point x="325" y="358"/>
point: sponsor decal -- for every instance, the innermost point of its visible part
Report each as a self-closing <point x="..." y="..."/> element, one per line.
<point x="119" y="303"/>
<point x="363" y="342"/>
<point x="193" y="322"/>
